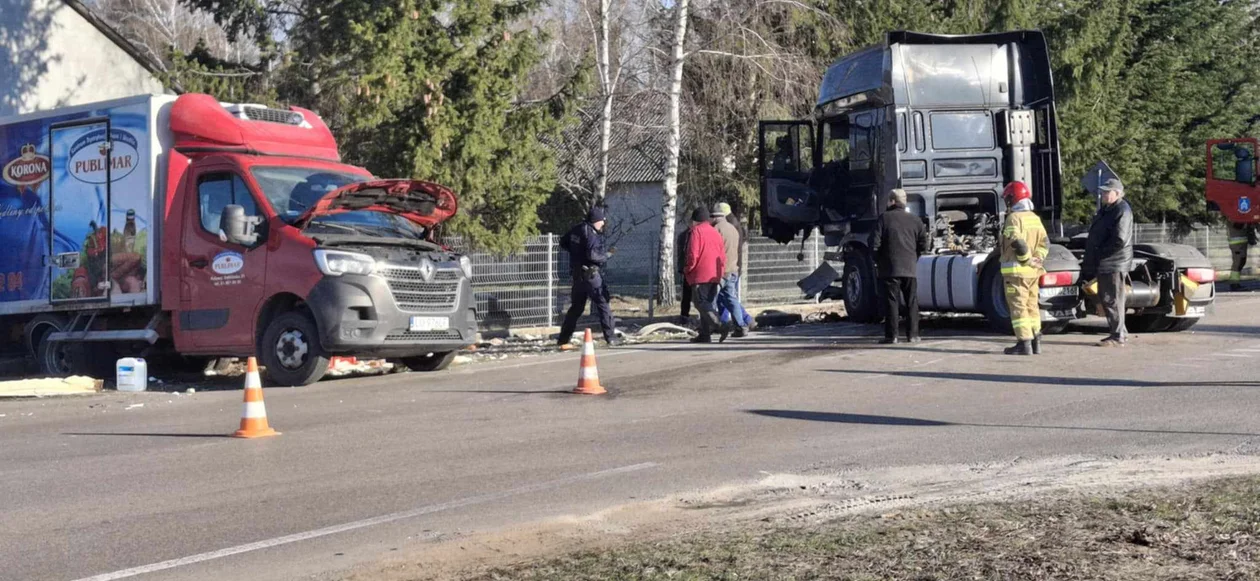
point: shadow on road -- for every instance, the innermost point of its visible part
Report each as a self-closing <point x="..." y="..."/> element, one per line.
<point x="1047" y="380"/>
<point x="1249" y="331"/>
<point x="859" y="419"/>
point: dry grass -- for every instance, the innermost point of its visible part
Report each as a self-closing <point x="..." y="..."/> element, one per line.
<point x="1202" y="532"/>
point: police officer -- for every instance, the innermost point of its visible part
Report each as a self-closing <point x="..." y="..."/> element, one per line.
<point x="585" y="245"/>
<point x="1024" y="246"/>
<point x="1241" y="236"/>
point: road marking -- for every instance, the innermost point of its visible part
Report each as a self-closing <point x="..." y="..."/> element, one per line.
<point x="1232" y="355"/>
<point x="1190" y="365"/>
<point x="360" y="524"/>
<point x="1246" y="350"/>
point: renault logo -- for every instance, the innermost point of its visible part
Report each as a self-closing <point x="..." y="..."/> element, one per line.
<point x="427" y="269"/>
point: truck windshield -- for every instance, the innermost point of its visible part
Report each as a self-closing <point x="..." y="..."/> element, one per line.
<point x="367" y="223"/>
<point x="293" y="190"/>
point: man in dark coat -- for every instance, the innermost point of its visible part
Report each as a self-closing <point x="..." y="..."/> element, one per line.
<point x="898" y="240"/>
<point x="1109" y="257"/>
<point x="680" y="260"/>
<point x="585" y="245"/>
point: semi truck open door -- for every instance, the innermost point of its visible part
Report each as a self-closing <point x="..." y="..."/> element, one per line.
<point x="79" y="198"/>
<point x="1231" y="179"/>
<point x="785" y="151"/>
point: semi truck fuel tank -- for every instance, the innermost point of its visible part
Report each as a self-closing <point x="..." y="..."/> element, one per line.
<point x="950" y="282"/>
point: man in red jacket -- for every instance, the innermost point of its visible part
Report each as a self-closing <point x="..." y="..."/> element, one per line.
<point x="706" y="261"/>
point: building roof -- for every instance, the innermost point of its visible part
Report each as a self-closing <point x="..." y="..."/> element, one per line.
<point x="115" y="37"/>
<point x="637" y="154"/>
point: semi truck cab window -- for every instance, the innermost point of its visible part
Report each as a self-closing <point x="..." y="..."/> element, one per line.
<point x="962" y="130"/>
<point x="217" y="191"/>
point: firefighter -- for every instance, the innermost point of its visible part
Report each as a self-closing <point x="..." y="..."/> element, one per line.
<point x="1241" y="236"/>
<point x="1024" y="247"/>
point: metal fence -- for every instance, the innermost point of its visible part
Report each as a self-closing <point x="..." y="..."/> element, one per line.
<point x="531" y="287"/>
<point x="1212" y="241"/>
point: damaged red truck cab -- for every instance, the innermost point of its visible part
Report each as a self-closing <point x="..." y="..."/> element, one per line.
<point x="267" y="245"/>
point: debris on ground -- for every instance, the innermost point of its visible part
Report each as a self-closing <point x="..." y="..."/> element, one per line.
<point x="665" y="328"/>
<point x="43" y="387"/>
<point x="342" y="366"/>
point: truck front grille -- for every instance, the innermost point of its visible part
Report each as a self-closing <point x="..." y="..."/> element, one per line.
<point x="417" y="336"/>
<point x="273" y="115"/>
<point x="413" y="294"/>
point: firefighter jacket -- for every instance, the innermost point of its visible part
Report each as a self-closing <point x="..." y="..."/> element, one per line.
<point x="1024" y="245"/>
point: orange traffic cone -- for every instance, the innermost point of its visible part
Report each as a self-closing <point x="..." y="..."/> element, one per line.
<point x="588" y="376"/>
<point x="254" y="417"/>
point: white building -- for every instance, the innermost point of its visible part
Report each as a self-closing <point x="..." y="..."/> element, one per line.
<point x="56" y="53"/>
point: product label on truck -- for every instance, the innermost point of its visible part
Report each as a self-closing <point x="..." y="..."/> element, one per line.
<point x="66" y="233"/>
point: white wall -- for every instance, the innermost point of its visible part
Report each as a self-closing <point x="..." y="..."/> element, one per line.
<point x="634" y="222"/>
<point x="50" y="56"/>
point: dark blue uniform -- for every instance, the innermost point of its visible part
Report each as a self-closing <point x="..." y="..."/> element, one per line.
<point x="587" y="257"/>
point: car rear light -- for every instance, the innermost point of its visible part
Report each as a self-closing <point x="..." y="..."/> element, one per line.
<point x="1201" y="274"/>
<point x="1056" y="279"/>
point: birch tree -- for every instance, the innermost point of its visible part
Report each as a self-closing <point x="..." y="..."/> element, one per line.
<point x="608" y="87"/>
<point x="673" y="147"/>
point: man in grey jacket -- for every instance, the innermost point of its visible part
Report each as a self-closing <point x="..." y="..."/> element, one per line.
<point x="1109" y="257"/>
<point x="728" y="298"/>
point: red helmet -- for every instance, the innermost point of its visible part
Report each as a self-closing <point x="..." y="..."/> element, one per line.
<point x="1014" y="192"/>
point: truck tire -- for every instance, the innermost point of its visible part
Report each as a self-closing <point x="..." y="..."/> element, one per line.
<point x="430" y="362"/>
<point x="1150" y="323"/>
<point x="291" y="351"/>
<point x="993" y="299"/>
<point x="861" y="301"/>
<point x="55" y="359"/>
<point x="1178" y="325"/>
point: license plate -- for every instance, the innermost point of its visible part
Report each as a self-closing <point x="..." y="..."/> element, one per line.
<point x="1058" y="291"/>
<point x="430" y="323"/>
<point x="1196" y="311"/>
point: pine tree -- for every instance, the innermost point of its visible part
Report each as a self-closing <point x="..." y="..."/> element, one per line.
<point x="428" y="89"/>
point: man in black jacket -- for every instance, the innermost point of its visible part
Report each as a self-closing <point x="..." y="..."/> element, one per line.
<point x="898" y="240"/>
<point x="680" y="261"/>
<point x="1109" y="257"/>
<point x="585" y="245"/>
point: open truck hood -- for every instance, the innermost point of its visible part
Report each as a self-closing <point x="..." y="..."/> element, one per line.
<point x="425" y="203"/>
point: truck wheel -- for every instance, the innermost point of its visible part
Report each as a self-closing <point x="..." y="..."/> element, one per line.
<point x="860" y="299"/>
<point x="1152" y="323"/>
<point x="430" y="362"/>
<point x="1054" y="327"/>
<point x="993" y="299"/>
<point x="1179" y="325"/>
<point x="57" y="359"/>
<point x="291" y="350"/>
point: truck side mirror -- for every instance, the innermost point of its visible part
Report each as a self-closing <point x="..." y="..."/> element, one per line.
<point x="236" y="227"/>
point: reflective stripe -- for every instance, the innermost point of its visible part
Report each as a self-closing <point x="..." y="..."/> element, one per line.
<point x="588" y="373"/>
<point x="1023" y="257"/>
<point x="1018" y="270"/>
<point x="1025" y="322"/>
<point x="1242" y="240"/>
<point x="1043" y="252"/>
<point x="255" y="409"/>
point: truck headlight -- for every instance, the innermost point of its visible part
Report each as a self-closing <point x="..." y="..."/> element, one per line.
<point x="337" y="263"/>
<point x="465" y="264"/>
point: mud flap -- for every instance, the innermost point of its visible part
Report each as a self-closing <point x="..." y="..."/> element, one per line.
<point x="818" y="281"/>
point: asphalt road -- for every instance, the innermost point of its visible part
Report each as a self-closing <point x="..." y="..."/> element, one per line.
<point x="92" y="489"/>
